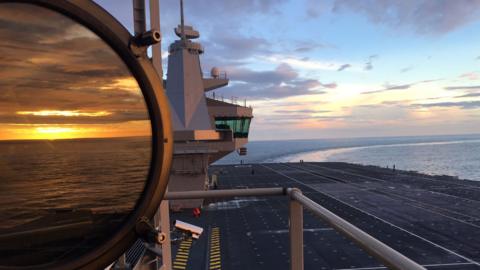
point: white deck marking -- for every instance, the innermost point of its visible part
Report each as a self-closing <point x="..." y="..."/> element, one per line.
<point x="423" y="177"/>
<point x="314" y="173"/>
<point x="391" y="224"/>
<point x="379" y="179"/>
<point x="424" y="265"/>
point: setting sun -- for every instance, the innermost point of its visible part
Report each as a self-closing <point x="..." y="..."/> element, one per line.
<point x="53" y="133"/>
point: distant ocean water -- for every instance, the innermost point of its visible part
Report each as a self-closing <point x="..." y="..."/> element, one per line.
<point x="454" y="155"/>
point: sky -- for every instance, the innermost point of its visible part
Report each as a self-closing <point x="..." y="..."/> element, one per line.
<point x="339" y="68"/>
<point x="61" y="81"/>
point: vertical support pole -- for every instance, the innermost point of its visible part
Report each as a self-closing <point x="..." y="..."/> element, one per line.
<point x="296" y="235"/>
<point x="162" y="217"/>
<point x="156" y="48"/>
<point x="162" y="220"/>
<point x="139" y="17"/>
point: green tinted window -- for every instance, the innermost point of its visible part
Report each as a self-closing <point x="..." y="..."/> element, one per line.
<point x="239" y="126"/>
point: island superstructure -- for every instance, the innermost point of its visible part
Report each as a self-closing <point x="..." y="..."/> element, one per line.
<point x="205" y="129"/>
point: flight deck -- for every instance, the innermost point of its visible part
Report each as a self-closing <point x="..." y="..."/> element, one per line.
<point x="434" y="220"/>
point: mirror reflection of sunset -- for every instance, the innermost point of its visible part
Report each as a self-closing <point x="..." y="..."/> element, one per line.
<point x="63" y="82"/>
<point x="65" y="113"/>
<point x="57" y="132"/>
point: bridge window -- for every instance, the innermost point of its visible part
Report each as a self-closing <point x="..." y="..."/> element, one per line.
<point x="239" y="126"/>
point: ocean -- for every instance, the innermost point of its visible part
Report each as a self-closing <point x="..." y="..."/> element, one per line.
<point x="454" y="155"/>
<point x="108" y="175"/>
<point x="42" y="176"/>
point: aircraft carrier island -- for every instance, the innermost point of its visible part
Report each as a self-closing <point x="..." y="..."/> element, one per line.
<point x="433" y="220"/>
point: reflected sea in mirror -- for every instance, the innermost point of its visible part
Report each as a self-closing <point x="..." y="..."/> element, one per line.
<point x="40" y="177"/>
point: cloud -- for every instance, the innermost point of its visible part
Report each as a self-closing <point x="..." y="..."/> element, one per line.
<point x="472" y="76"/>
<point x="306" y="63"/>
<point x="406" y="69"/>
<point x="395" y="87"/>
<point x="301" y="111"/>
<point x="297" y="118"/>
<point x="237" y="47"/>
<point x="281" y="82"/>
<point x="368" y="64"/>
<point x="309" y="46"/>
<point x="470" y="87"/>
<point x="343" y="67"/>
<point x="282" y="73"/>
<point x="332" y="85"/>
<point x="469" y="95"/>
<point x="277" y="91"/>
<point x="114" y="117"/>
<point x="389" y="87"/>
<point x="226" y="38"/>
<point x="424" y="16"/>
<point x="463" y="104"/>
<point x="379" y="113"/>
<point x="61" y="66"/>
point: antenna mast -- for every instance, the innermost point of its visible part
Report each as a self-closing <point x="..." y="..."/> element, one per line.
<point x="182" y="23"/>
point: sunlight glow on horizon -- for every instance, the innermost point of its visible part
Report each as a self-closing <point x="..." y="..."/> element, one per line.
<point x="64" y="113"/>
<point x="74" y="131"/>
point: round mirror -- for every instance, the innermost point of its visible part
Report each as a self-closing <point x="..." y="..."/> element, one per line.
<point x="76" y="139"/>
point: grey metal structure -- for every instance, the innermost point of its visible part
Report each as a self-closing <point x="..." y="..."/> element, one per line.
<point x="388" y="256"/>
<point x="205" y="129"/>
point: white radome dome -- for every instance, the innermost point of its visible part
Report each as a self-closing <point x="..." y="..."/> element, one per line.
<point x="215" y="72"/>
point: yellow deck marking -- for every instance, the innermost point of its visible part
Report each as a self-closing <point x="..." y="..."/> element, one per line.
<point x="183" y="252"/>
<point x="215" y="258"/>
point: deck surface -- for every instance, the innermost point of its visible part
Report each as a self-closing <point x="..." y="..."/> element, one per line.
<point x="433" y="220"/>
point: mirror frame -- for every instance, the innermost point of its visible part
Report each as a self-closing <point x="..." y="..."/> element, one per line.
<point x="112" y="32"/>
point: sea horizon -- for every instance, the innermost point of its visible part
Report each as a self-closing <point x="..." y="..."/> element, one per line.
<point x="425" y="154"/>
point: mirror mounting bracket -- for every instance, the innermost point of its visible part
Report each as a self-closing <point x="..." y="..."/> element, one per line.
<point x="148" y="233"/>
<point x="140" y="43"/>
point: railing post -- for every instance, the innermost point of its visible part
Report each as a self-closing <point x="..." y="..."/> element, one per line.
<point x="296" y="233"/>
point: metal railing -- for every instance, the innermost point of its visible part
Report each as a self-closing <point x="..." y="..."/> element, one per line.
<point x="388" y="256"/>
<point x="222" y="75"/>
